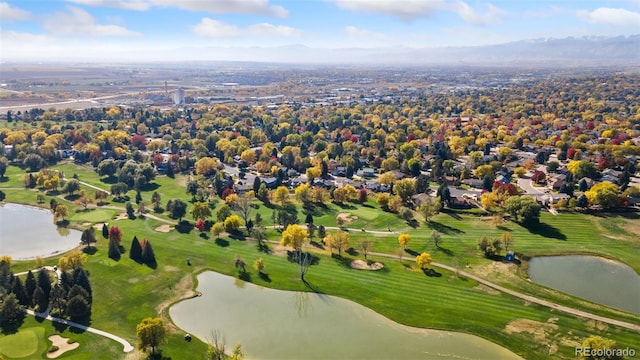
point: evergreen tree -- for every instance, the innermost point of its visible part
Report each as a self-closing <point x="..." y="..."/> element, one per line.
<point x="44" y="283"/>
<point x="256" y="184"/>
<point x="19" y="292"/>
<point x="66" y="280"/>
<point x="77" y="307"/>
<point x="114" y="250"/>
<point x="30" y="285"/>
<point x="81" y="278"/>
<point x="308" y="219"/>
<point x="40" y="299"/>
<point x="11" y="314"/>
<point x="148" y="256"/>
<point x="135" y="253"/>
<point x="105" y="231"/>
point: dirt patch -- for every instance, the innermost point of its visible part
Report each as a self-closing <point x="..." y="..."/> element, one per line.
<point x="362" y="265"/>
<point x="62" y="344"/>
<point x="346" y="218"/>
<point x="122" y="216"/>
<point x="593" y="324"/>
<point x="496" y="269"/>
<point x="163" y="228"/>
<point x="280" y="250"/>
<point x="170" y="268"/>
<point x="486" y="289"/>
<point x="99" y="226"/>
<point x="538" y="329"/>
<point x="181" y="291"/>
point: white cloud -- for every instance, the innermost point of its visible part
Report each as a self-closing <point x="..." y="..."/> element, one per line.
<point x="405" y="10"/>
<point x="10" y="13"/>
<point x="611" y="16"/>
<point x="137" y="5"/>
<point x="493" y="15"/>
<point x="23" y="37"/>
<point x="410" y="10"/>
<point x="214" y="28"/>
<point x="218" y="29"/>
<point x="80" y="22"/>
<point x="260" y="7"/>
<point x="266" y="29"/>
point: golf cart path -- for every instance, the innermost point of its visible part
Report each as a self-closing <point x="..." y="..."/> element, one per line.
<point x="532" y="299"/>
<point x="127" y="346"/>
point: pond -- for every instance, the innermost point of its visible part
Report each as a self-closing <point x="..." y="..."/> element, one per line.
<point x="276" y="324"/>
<point x="27" y="232"/>
<point x="593" y="278"/>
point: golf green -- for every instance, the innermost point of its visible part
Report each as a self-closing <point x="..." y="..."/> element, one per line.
<point x="22" y="344"/>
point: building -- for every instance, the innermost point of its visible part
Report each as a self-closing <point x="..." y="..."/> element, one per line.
<point x="178" y="97"/>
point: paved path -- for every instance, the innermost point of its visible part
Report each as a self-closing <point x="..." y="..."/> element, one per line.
<point x="127" y="347"/>
<point x="532" y="299"/>
<point x="93" y="187"/>
<point x="45" y="315"/>
<point x="342" y="228"/>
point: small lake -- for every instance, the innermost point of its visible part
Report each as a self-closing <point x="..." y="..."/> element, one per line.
<point x="592" y="278"/>
<point x="27" y="232"/>
<point x="277" y="324"/>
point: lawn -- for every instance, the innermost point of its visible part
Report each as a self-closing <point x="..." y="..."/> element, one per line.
<point x="125" y="292"/>
<point x="25" y="343"/>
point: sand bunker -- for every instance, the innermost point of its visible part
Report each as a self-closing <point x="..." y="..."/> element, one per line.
<point x="362" y="265"/>
<point x="163" y="228"/>
<point x="122" y="216"/>
<point x="62" y="344"/>
<point x="346" y="217"/>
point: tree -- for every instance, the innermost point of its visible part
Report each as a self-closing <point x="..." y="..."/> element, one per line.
<point x="506" y="239"/>
<point x="338" y="240"/>
<point x="77" y="306"/>
<point x="135" y="252"/>
<point x="523" y="209"/>
<point x="60" y="212"/>
<point x="156" y="200"/>
<point x="489" y="247"/>
<point x="30" y="286"/>
<point x="206" y="166"/>
<point x="436" y="238"/>
<point x="4" y="163"/>
<point x="240" y="265"/>
<point x="71" y="186"/>
<point x="130" y="211"/>
<point x="281" y="195"/>
<point x="200" y="210"/>
<point x="44" y="283"/>
<point x="178" y="209"/>
<point x="295" y="236"/>
<point x="105" y="231"/>
<point x="604" y="194"/>
<point x="582" y="202"/>
<point x="88" y="236"/>
<point x="217" y="229"/>
<point x="148" y="256"/>
<point x="34" y="162"/>
<point x="538" y="177"/>
<point x="423" y="260"/>
<point x="151" y="332"/>
<point x="19" y="291"/>
<point x="405" y="188"/>
<point x="83" y="200"/>
<point x="596" y="344"/>
<point x="74" y="259"/>
<point x="258" y="265"/>
<point x="303" y="194"/>
<point x="107" y="167"/>
<point x="583" y="168"/>
<point x="115" y="236"/>
<point x="429" y="208"/>
<point x="11" y="312"/>
<point x="362" y="196"/>
<point x="232" y="223"/>
<point x="243" y="205"/>
<point x="403" y="240"/>
<point x="217" y="345"/>
<point x="365" y="246"/>
<point x="322" y="232"/>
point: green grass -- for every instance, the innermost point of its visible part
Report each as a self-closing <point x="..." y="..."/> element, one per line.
<point x="126" y="292"/>
<point x="25" y="343"/>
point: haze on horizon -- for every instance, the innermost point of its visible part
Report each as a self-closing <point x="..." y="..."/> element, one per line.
<point x="293" y="30"/>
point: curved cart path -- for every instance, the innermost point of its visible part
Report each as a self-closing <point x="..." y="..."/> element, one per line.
<point x="532" y="299"/>
<point x="45" y="315"/>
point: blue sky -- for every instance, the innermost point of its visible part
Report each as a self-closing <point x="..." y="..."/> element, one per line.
<point x="121" y="29"/>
